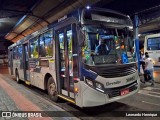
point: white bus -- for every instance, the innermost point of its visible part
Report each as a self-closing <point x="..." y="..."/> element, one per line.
<point x="61" y="58"/>
<point x="152" y="46"/>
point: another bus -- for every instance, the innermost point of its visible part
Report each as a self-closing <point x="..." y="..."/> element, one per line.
<point x="152" y="46"/>
<point x="61" y="58"/>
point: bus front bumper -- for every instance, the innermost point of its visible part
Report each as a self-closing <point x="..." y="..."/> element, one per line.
<point x="92" y="97"/>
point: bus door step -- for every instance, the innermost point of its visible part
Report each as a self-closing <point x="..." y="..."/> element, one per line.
<point x="67" y="98"/>
<point x="27" y="82"/>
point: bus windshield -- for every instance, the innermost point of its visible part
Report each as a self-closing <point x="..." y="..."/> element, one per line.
<point x="107" y="46"/>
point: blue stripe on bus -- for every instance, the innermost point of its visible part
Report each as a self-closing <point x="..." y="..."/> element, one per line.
<point x="88" y="73"/>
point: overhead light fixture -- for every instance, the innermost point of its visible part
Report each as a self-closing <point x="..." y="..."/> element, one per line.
<point x="88" y="7"/>
<point x="130" y="27"/>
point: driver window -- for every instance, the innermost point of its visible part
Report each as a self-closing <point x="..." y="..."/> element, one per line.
<point x="93" y="41"/>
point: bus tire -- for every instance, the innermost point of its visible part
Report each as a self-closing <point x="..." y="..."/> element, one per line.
<point x="17" y="77"/>
<point x="52" y="91"/>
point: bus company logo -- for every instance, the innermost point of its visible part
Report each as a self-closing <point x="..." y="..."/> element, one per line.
<point x="21" y="114"/>
<point x="6" y="114"/>
<point x="113" y="83"/>
<point x="130" y="79"/>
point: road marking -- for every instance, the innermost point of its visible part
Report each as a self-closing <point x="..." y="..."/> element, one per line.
<point x="144" y="92"/>
<point x="148" y="88"/>
<point x="151" y="88"/>
<point x="154" y="92"/>
<point x="151" y="103"/>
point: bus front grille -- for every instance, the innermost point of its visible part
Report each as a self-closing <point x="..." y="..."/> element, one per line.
<point x="119" y="73"/>
<point x="113" y="71"/>
<point x="115" y="92"/>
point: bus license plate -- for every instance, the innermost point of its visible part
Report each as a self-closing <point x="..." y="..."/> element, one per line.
<point x="124" y="92"/>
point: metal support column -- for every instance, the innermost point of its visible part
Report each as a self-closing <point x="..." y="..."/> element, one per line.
<point x="136" y="23"/>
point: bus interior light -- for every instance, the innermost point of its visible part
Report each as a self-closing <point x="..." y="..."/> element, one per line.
<point x="130" y="27"/>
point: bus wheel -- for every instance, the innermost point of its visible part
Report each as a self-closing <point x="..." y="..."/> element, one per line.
<point x="17" y="77"/>
<point x="52" y="91"/>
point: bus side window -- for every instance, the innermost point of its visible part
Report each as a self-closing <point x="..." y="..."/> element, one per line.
<point x="19" y="52"/>
<point x="46" y="45"/>
<point x="34" y="48"/>
<point x="15" y="53"/>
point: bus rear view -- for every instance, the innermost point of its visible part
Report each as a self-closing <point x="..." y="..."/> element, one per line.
<point x="152" y="46"/>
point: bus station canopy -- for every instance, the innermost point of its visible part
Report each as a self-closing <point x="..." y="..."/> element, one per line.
<point x="20" y="18"/>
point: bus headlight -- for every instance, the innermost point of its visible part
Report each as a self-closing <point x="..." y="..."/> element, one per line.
<point x="89" y="82"/>
<point x="99" y="87"/>
<point x="94" y="84"/>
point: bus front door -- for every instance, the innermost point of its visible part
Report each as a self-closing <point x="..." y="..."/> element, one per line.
<point x="64" y="56"/>
<point x="25" y="61"/>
